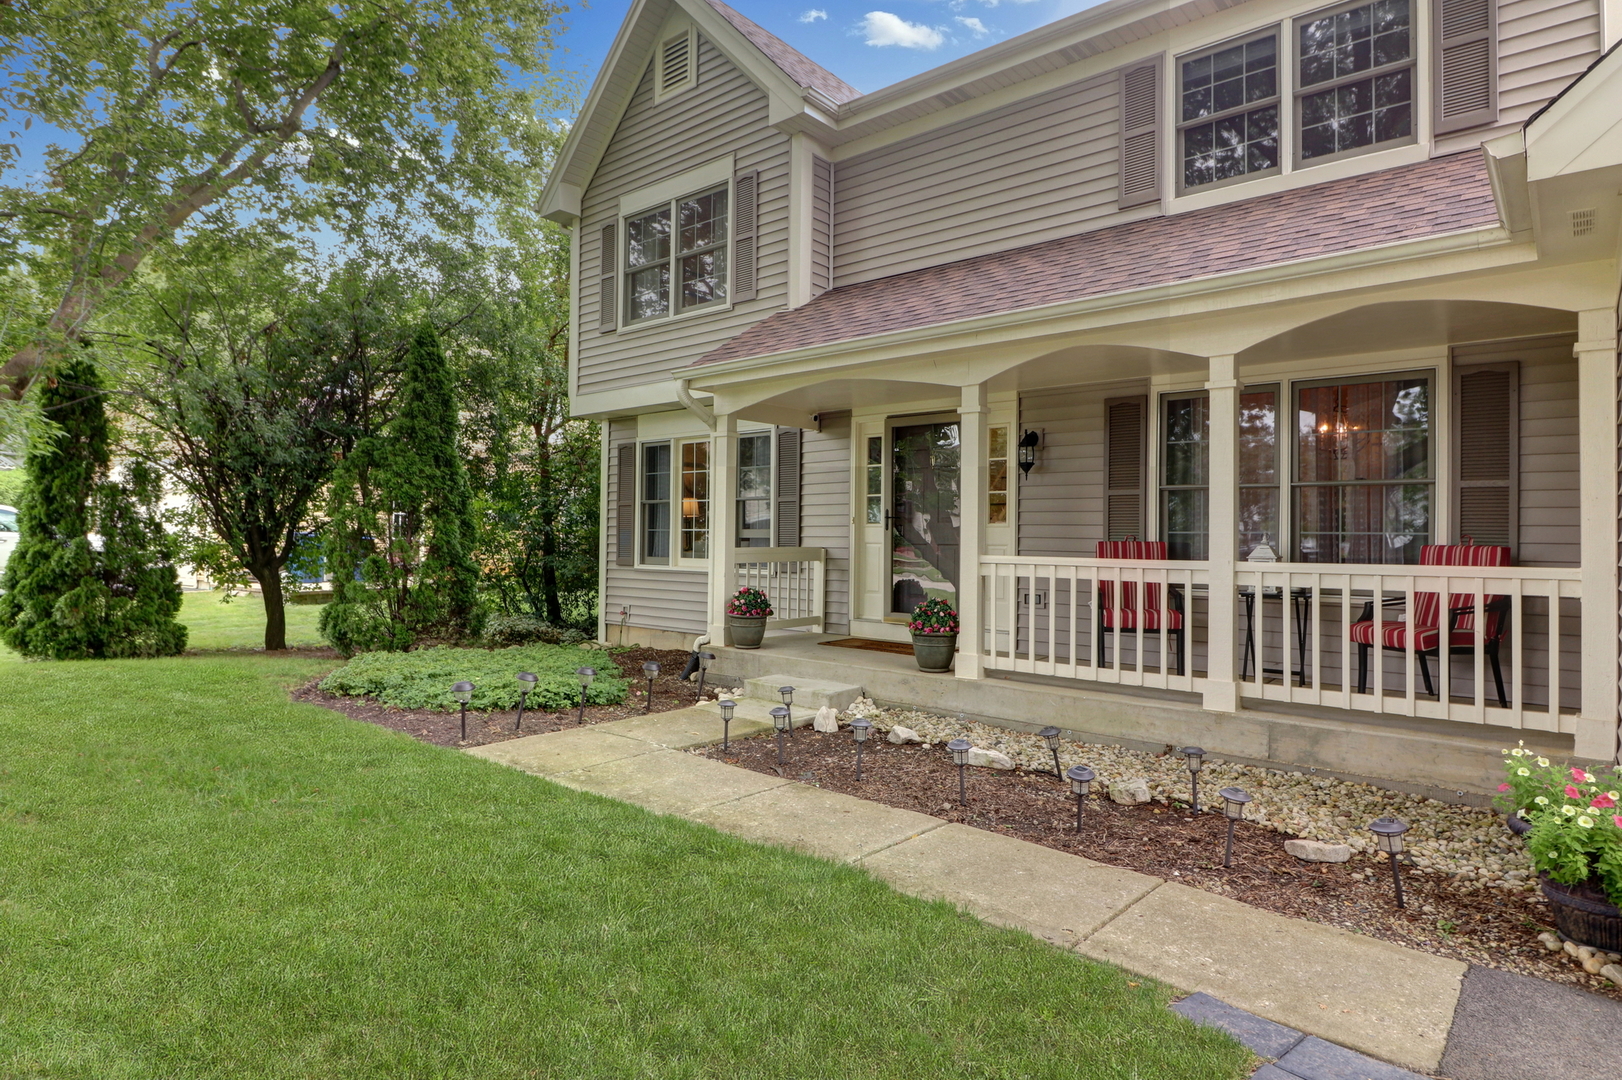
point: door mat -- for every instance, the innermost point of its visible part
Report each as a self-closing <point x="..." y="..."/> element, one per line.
<point x="898" y="647"/>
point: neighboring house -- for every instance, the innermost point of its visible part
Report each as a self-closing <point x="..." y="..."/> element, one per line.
<point x="1329" y="283"/>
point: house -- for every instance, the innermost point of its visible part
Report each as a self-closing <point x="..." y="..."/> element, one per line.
<point x="1295" y="289"/>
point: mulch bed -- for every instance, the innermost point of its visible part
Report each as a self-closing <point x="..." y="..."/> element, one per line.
<point x="445" y="729"/>
<point x="1491" y="927"/>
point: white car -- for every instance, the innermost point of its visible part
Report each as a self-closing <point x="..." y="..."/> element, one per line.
<point x="8" y="533"/>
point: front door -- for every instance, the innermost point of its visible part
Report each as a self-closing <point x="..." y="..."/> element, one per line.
<point x="924" y="514"/>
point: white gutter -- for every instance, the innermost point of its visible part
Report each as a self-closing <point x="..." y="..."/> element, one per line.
<point x="684" y="394"/>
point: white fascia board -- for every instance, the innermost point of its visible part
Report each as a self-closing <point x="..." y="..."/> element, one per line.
<point x="1582" y="129"/>
<point x="626" y="401"/>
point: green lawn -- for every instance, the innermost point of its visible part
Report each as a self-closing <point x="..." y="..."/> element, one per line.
<point x="212" y="622"/>
<point x="203" y="879"/>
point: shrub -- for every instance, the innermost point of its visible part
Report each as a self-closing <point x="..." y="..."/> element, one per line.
<point x="423" y="679"/>
<point x="501" y="631"/>
<point x="1576" y="819"/>
<point x="933" y="616"/>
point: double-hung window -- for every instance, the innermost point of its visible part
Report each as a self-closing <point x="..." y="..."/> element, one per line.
<point x="676" y="256"/>
<point x="675" y="506"/>
<point x="1228" y="111"/>
<point x="656" y="503"/>
<point x="1185" y="510"/>
<point x="755" y="489"/>
<point x="1356" y="79"/>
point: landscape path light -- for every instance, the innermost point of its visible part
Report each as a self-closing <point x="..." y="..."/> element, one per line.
<point x="651" y="670"/>
<point x="526" y="683"/>
<point x="704" y="659"/>
<point x="1081" y="782"/>
<point x="1194" y="758"/>
<point x="1388" y="834"/>
<point x="1051" y="736"/>
<point x="860" y="727"/>
<point x="788" y="705"/>
<point x="727" y="705"/>
<point x="585" y="675"/>
<point x="1233" y="808"/>
<point x="780" y="722"/>
<point x="960" y="757"/>
<point x="463" y="692"/>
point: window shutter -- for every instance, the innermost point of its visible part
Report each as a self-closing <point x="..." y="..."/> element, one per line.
<point x="675" y="64"/>
<point x="744" y="196"/>
<point x="1140" y="135"/>
<point x="1465" y="63"/>
<point x="625" y="506"/>
<point x="608" y="280"/>
<point x="1486" y="402"/>
<point x="822" y="226"/>
<point x="786" y="519"/>
<point x="1126" y="467"/>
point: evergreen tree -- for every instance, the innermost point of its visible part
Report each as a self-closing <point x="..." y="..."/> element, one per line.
<point x="65" y="597"/>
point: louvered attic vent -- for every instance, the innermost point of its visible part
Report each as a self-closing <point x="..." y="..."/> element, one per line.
<point x="1582" y="222"/>
<point x="676" y="68"/>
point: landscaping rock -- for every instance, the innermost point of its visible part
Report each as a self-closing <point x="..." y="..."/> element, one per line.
<point x="1595" y="964"/>
<point x="994" y="759"/>
<point x="1318" y="851"/>
<point x="1129" y="792"/>
<point x="1612" y="972"/>
<point x="827" y="720"/>
<point x="900" y="735"/>
<point x="1551" y="941"/>
<point x="1571" y="949"/>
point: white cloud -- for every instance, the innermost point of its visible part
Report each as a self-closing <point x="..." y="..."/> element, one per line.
<point x="973" y="24"/>
<point x="883" y="28"/>
<point x="813" y="15"/>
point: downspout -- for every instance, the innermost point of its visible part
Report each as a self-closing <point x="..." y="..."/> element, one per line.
<point x="685" y="395"/>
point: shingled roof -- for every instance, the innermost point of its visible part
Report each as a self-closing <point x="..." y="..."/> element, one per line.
<point x="795" y="64"/>
<point x="1431" y="198"/>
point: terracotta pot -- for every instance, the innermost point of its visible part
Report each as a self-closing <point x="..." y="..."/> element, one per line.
<point x="1584" y="914"/>
<point x="748" y="631"/>
<point x="934" y="651"/>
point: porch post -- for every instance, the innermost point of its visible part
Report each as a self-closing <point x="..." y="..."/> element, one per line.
<point x="723" y="522"/>
<point x="971" y="532"/>
<point x="1222" y="543"/>
<point x="1596" y="351"/>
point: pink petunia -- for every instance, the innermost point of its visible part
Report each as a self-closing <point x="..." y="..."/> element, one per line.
<point x="1572" y="792"/>
<point x="1603" y="802"/>
<point x="1618" y="819"/>
<point x="1503" y="787"/>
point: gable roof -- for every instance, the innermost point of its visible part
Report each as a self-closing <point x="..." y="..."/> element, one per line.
<point x="1432" y="198"/>
<point x="805" y="72"/>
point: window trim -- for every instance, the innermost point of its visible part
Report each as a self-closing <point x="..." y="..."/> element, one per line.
<point x="1284" y="65"/>
<point x="674" y="560"/>
<point x="1298" y="91"/>
<point x="770" y="435"/>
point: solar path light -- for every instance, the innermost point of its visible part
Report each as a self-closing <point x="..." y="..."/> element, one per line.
<point x="585" y="675"/>
<point x="780" y="722"/>
<point x="1388" y="834"/>
<point x="651" y="670"/>
<point x="960" y="757"/>
<point x="1194" y="758"/>
<point x="1233" y="808"/>
<point x="526" y="683"/>
<point x="860" y="728"/>
<point x="463" y="692"/>
<point x="1051" y="736"/>
<point x="1081" y="782"/>
<point x="727" y="705"/>
<point x="788" y="704"/>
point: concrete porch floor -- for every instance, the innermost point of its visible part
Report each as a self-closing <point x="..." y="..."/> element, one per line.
<point x="1442" y="759"/>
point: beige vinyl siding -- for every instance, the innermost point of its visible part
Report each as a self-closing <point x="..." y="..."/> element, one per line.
<point x="822" y="226"/>
<point x="1061" y="503"/>
<point x="1034" y="170"/>
<point x="825" y="510"/>
<point x="725" y="112"/>
<point x="657" y="598"/>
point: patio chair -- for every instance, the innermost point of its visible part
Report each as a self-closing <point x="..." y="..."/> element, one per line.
<point x="1426" y="638"/>
<point x="1158" y="618"/>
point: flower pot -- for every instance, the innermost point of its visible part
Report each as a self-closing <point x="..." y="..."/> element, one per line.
<point x="1584" y="915"/>
<point x="934" y="651"/>
<point x="748" y="631"/>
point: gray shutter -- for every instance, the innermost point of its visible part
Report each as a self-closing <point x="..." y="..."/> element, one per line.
<point x="1140" y="135"/>
<point x="745" y="198"/>
<point x="786" y="518"/>
<point x="625" y="506"/>
<point x="1465" y="63"/>
<point x="608" y="280"/>
<point x="1486" y="407"/>
<point x="822" y="225"/>
<point x="1126" y="467"/>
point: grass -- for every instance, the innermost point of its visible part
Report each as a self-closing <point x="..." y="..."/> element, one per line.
<point x="213" y="623"/>
<point x="204" y="879"/>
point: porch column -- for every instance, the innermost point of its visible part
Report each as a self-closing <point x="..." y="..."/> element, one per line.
<point x="1221" y="691"/>
<point x="723" y="522"/>
<point x="971" y="532"/>
<point x="1596" y="352"/>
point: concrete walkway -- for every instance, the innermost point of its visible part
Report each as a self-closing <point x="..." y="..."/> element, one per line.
<point x="1395" y="1004"/>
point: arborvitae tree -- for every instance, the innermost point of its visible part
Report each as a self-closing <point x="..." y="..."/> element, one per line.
<point x="67" y="598"/>
<point x="400" y="536"/>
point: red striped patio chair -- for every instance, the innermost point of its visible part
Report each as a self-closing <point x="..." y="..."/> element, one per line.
<point x="1157" y="617"/>
<point x="1426" y="637"/>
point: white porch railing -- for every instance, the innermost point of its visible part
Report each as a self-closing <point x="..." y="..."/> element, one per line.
<point x="795" y="580"/>
<point x="1043" y="617"/>
<point x="1301" y="630"/>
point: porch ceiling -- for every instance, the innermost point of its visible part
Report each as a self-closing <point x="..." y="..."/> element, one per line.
<point x="841" y="395"/>
<point x="1409" y="324"/>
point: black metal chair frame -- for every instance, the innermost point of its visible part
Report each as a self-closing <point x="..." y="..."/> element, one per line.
<point x="1490" y="647"/>
<point x="1173" y="602"/>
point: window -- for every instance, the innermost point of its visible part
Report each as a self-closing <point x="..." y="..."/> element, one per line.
<point x="1356" y="86"/>
<point x="656" y="503"/>
<point x="1363" y="470"/>
<point x="1228" y="116"/>
<point x="693" y="260"/>
<point x="755" y="490"/>
<point x="1258" y="469"/>
<point x="875" y="480"/>
<point x="997" y="476"/>
<point x="1185" y="476"/>
<point x="695" y="500"/>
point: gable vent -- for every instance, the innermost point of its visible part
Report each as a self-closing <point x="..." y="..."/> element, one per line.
<point x="1582" y="222"/>
<point x="676" y="64"/>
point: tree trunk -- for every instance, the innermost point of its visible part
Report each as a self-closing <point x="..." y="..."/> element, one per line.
<point x="270" y="587"/>
<point x="549" y="571"/>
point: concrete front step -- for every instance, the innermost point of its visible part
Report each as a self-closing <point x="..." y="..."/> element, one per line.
<point x="809" y="694"/>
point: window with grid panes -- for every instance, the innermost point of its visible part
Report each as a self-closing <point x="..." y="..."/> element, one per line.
<point x="875" y="480"/>
<point x="676" y="257"/>
<point x="1356" y="79"/>
<point x="695" y="500"/>
<point x="755" y="490"/>
<point x="997" y="476"/>
<point x="656" y="503"/>
<point x="1258" y="469"/>
<point x="1185" y="475"/>
<point x="1228" y="112"/>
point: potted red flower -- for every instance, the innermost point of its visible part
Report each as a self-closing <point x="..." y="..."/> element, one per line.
<point x="747" y="613"/>
<point x="934" y="634"/>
